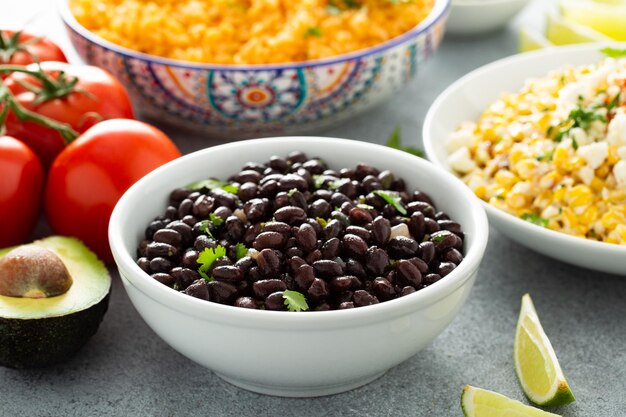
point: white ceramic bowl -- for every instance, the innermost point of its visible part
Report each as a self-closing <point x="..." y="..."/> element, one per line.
<point x="296" y="354"/>
<point x="475" y="17"/>
<point x="468" y="97"/>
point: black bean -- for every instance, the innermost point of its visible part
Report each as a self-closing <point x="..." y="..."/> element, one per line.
<point x="247" y="191"/>
<point x="171" y="212"/>
<point x="203" y="242"/>
<point x="314" y="166"/>
<point x="426" y="251"/>
<point x="421" y="196"/>
<point x="306" y="237"/>
<point x="319" y="208"/>
<point x="408" y="274"/>
<point x="443" y="240"/>
<point x="278" y="163"/>
<point x="419" y="206"/>
<point x="361" y="232"/>
<point x="407" y="290"/>
<point x="272" y="240"/>
<point x="386" y="178"/>
<point x="363" y="298"/>
<point x="189" y="220"/>
<point x="255" y="209"/>
<point x="184" y="229"/>
<point x="444" y="268"/>
<point x="296" y="156"/>
<point x="268" y="263"/>
<point x="159" y="249"/>
<point x="223" y="212"/>
<point x="224" y="198"/>
<point x="292" y="181"/>
<point x="248" y="175"/>
<point x="268" y="189"/>
<point x="340" y="217"/>
<point x="337" y="199"/>
<point x="332" y="229"/>
<point x="297" y="199"/>
<point x="349" y="189"/>
<point x="202" y="206"/>
<point x="430" y="279"/>
<point x="153" y="227"/>
<point x="254" y="274"/>
<point x="362" y="170"/>
<point x="246" y="302"/>
<point x="371" y="183"/>
<point x="261" y="289"/>
<point x="198" y="289"/>
<point x="178" y="195"/>
<point x="234" y="228"/>
<point x="228" y="273"/>
<point x="376" y="260"/>
<point x="326" y="268"/>
<point x="382" y="289"/>
<point x="354" y="267"/>
<point x="417" y="226"/>
<point x="318" y="290"/>
<point x="313" y="256"/>
<point x="184" y="276"/>
<point x="431" y="225"/>
<point x="381" y="230"/>
<point x="360" y="216"/>
<point x="221" y="292"/>
<point x="344" y="283"/>
<point x="354" y="246"/>
<point x="420" y="265"/>
<point x="144" y="264"/>
<point x="331" y="248"/>
<point x="159" y="264"/>
<point x="290" y="215"/>
<point x="275" y="301"/>
<point x="401" y="247"/>
<point x="452" y="255"/>
<point x="304" y="276"/>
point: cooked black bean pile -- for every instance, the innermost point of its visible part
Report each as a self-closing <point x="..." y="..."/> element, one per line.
<point x="343" y="239"/>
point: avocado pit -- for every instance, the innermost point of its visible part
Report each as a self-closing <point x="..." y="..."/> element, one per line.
<point x="32" y="271"/>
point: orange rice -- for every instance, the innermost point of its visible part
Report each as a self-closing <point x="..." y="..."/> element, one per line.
<point x="249" y="31"/>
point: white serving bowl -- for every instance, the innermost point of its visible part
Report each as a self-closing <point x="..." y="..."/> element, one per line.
<point x="468" y="97"/>
<point x="475" y="17"/>
<point x="296" y="354"/>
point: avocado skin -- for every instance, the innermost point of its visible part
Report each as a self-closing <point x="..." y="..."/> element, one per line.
<point x="36" y="343"/>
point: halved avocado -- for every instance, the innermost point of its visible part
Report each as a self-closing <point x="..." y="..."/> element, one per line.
<point x="36" y="332"/>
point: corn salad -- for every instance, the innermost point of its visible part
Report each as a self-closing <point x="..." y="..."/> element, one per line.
<point x="553" y="153"/>
<point x="249" y="31"/>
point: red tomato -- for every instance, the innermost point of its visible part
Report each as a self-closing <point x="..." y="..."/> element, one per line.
<point x="25" y="48"/>
<point x="96" y="96"/>
<point x="21" y="190"/>
<point x="87" y="179"/>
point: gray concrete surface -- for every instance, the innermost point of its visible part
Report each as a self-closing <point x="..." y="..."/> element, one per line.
<point x="126" y="370"/>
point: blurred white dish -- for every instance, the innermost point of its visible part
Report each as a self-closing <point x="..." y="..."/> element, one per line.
<point x="473" y="17"/>
<point x="468" y="97"/>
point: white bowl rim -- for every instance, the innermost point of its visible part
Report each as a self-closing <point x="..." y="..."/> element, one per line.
<point x="309" y="320"/>
<point x="438" y="12"/>
<point x="429" y="145"/>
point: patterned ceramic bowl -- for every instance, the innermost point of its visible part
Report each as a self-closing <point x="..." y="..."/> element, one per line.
<point x="263" y="99"/>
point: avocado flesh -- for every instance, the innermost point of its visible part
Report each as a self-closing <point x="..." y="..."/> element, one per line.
<point x="40" y="332"/>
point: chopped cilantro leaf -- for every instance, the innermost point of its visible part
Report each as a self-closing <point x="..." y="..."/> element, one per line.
<point x="212" y="183"/>
<point x="205" y="227"/>
<point x="318" y="180"/>
<point x="322" y="222"/>
<point x="333" y="185"/>
<point x="438" y="238"/>
<point x="535" y="219"/>
<point x="392" y="198"/>
<point x="241" y="250"/>
<point x="614" y="52"/>
<point x="206" y="259"/>
<point x="313" y="31"/>
<point x="295" y="301"/>
<point x="613" y="103"/>
<point x="547" y="156"/>
<point x="395" y="143"/>
<point x="216" y="220"/>
<point x="291" y="192"/>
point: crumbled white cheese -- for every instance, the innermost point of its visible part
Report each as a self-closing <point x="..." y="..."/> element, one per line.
<point x="580" y="136"/>
<point x="461" y="161"/>
<point x="616" y="134"/>
<point x="586" y="174"/>
<point x="619" y="171"/>
<point x="461" y="138"/>
<point x="594" y="153"/>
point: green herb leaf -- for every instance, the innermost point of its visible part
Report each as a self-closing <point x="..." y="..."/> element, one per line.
<point x="614" y="102"/>
<point x="333" y="185"/>
<point x="205" y="227"/>
<point x="322" y="222"/>
<point x="313" y="31"/>
<point x="547" y="156"/>
<point x="211" y="184"/>
<point x="438" y="238"/>
<point x="240" y="250"/>
<point x="216" y="220"/>
<point x="291" y="192"/>
<point x="295" y="301"/>
<point x="535" y="219"/>
<point x="395" y="143"/>
<point x="393" y="198"/>
<point x="318" y="180"/>
<point x="206" y="259"/>
<point x="614" y="52"/>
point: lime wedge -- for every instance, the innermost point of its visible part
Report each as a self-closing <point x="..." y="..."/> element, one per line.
<point x="561" y="31"/>
<point x="537" y="367"/>
<point x="530" y="40"/>
<point x="605" y="16"/>
<point x="478" y="402"/>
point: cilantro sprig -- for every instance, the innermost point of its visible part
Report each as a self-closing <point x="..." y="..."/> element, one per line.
<point x="295" y="301"/>
<point x="240" y="250"/>
<point x="614" y="52"/>
<point x="395" y="142"/>
<point x="212" y="183"/>
<point x="392" y="198"/>
<point x="206" y="258"/>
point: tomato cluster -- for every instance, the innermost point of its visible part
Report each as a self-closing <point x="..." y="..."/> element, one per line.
<point x="68" y="143"/>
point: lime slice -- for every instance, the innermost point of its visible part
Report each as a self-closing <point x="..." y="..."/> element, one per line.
<point x="478" y="402"/>
<point x="530" y="40"/>
<point x="605" y="16"/>
<point x="536" y="364"/>
<point x="561" y="31"/>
